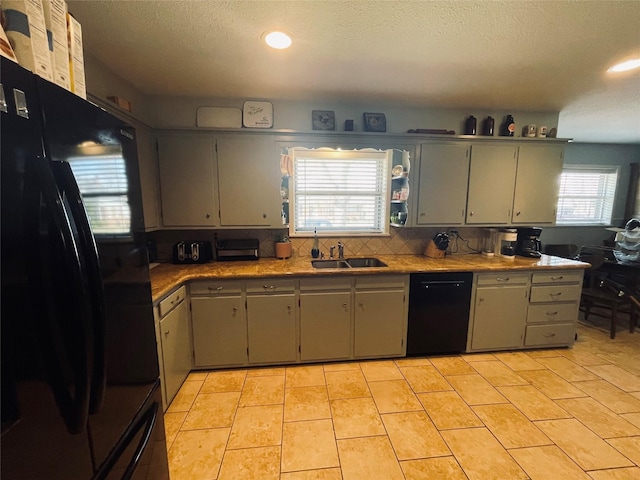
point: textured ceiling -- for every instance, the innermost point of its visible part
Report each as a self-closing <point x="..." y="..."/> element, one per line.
<point x="525" y="55"/>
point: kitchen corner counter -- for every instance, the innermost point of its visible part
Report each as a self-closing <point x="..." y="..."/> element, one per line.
<point x="165" y="277"/>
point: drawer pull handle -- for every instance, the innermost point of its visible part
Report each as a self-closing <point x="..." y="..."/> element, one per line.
<point x="556" y="294"/>
<point x="552" y="313"/>
<point x="218" y="288"/>
<point x="166" y="333"/>
<point x="549" y="335"/>
<point x="269" y="287"/>
<point x="560" y="277"/>
<point x="234" y="310"/>
<point x="502" y="279"/>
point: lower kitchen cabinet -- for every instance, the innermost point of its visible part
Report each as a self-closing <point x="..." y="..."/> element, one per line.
<point x="325" y="319"/>
<point x="500" y="311"/>
<point x="175" y="342"/>
<point x="380" y="316"/>
<point x="219" y="324"/>
<point x="272" y="321"/>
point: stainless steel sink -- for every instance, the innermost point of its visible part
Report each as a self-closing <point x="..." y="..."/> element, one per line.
<point x="329" y="264"/>
<point x="348" y="263"/>
<point x="365" y="262"/>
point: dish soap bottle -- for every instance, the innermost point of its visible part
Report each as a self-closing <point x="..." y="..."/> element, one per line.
<point x="315" y="250"/>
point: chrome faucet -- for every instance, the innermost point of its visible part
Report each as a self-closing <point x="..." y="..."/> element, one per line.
<point x="340" y="250"/>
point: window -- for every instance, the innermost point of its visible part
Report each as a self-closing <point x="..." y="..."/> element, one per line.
<point x="102" y="180"/>
<point x="341" y="192"/>
<point x="586" y="195"/>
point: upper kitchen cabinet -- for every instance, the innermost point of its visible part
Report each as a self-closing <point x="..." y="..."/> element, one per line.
<point x="492" y="175"/>
<point x="249" y="181"/>
<point x="187" y="180"/>
<point x="148" y="177"/>
<point x="442" y="184"/>
<point x="537" y="183"/>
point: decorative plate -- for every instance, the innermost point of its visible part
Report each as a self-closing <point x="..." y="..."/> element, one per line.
<point x="257" y="114"/>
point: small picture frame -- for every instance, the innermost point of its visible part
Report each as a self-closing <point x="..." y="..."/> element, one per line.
<point x="374" y="122"/>
<point x="323" y="120"/>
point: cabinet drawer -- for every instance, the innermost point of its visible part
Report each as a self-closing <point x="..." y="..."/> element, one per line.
<point x="503" y="278"/>
<point x="271" y="285"/>
<point x="212" y="287"/>
<point x="557" y="277"/>
<point x="382" y="281"/>
<point x="541" y="335"/>
<point x="324" y="284"/>
<point x="553" y="313"/>
<point x="555" y="293"/>
<point x="172" y="300"/>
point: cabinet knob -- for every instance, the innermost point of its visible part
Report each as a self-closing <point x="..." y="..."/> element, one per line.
<point x="471" y="214"/>
<point x="166" y="333"/>
<point x="208" y="215"/>
<point x="264" y="215"/>
<point x="269" y="287"/>
<point x="517" y="214"/>
<point x="234" y="310"/>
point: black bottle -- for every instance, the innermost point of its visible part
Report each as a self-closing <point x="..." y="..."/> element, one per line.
<point x="487" y="126"/>
<point x="470" y="126"/>
<point x="508" y="127"/>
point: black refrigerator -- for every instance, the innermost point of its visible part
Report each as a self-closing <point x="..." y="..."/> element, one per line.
<point x="80" y="378"/>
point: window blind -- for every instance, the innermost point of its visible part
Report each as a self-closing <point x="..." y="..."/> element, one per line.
<point x="340" y="191"/>
<point x="587" y="195"/>
<point x="104" y="187"/>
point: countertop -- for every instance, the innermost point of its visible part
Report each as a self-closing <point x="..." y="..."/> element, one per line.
<point x="165" y="277"/>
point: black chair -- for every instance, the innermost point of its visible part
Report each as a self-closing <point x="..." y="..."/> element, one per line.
<point x="606" y="295"/>
<point x="566" y="250"/>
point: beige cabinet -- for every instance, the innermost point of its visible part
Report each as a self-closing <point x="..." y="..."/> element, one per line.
<point x="380" y="316"/>
<point x="249" y="181"/>
<point x="148" y="166"/>
<point x="492" y="175"/>
<point x="219" y="323"/>
<point x="175" y="341"/>
<point x="325" y="319"/>
<point x="442" y="184"/>
<point x="537" y="183"/>
<point x="272" y="321"/>
<point x="553" y="308"/>
<point x="499" y="310"/>
<point x="187" y="180"/>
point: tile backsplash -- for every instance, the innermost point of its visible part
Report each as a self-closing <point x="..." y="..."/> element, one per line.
<point x="401" y="241"/>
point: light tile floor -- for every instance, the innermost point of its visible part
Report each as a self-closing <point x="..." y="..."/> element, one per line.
<point x="558" y="414"/>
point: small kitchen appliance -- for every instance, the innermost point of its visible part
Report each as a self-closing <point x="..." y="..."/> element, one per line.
<point x="506" y="241"/>
<point x="191" y="251"/>
<point x="242" y="249"/>
<point x="529" y="242"/>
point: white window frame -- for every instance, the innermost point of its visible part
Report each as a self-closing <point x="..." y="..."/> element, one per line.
<point x="602" y="201"/>
<point x="380" y="224"/>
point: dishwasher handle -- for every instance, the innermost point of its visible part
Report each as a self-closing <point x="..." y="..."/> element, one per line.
<point x="442" y="283"/>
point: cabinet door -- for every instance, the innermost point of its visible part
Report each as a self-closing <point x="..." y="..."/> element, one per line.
<point x="249" y="181"/>
<point x="442" y="187"/>
<point x="325" y="326"/>
<point x="219" y="331"/>
<point x="148" y="166"/>
<point x="176" y="349"/>
<point x="187" y="180"/>
<point x="537" y="183"/>
<point x="491" y="181"/>
<point x="272" y="328"/>
<point x="499" y="317"/>
<point x="379" y="323"/>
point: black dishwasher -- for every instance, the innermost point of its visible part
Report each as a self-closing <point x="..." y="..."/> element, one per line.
<point x="438" y="312"/>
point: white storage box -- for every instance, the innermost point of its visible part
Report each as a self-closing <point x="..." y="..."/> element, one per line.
<point x="27" y="33"/>
<point x="55" y="18"/>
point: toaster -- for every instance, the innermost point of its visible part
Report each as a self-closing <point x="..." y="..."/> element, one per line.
<point x="189" y="251"/>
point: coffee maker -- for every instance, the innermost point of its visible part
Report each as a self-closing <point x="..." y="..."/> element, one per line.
<point x="506" y="242"/>
<point x="528" y="242"/>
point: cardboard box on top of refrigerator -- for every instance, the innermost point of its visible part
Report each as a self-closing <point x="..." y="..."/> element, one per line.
<point x="55" y="18"/>
<point x="27" y="33"/>
<point x="76" y="57"/>
<point x="5" y="47"/>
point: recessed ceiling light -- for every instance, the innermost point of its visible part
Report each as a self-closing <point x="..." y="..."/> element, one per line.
<point x="625" y="66"/>
<point x="279" y="40"/>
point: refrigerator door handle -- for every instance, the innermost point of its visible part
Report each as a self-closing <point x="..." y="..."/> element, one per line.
<point x="67" y="183"/>
<point x="72" y="397"/>
<point x="146" y="421"/>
